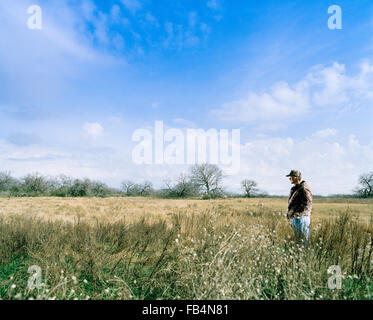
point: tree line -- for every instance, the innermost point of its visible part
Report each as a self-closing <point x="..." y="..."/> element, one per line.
<point x="203" y="180"/>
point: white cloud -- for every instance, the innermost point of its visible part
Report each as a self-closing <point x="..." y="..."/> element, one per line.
<point x="334" y="88"/>
<point x="132" y="5"/>
<point x="322" y="87"/>
<point x="118" y="42"/>
<point x="88" y="8"/>
<point x="115" y="13"/>
<point x="206" y="30"/>
<point x="352" y="142"/>
<point x="330" y="167"/>
<point x="57" y="32"/>
<point x="325" y="133"/>
<point x="186" y="36"/>
<point x="213" y="4"/>
<point x="93" y="130"/>
<point x="101" y="28"/>
<point x="281" y="102"/>
<point x="185" y="123"/>
<point x="192" y="19"/>
<point x="151" y="19"/>
<point x="63" y="45"/>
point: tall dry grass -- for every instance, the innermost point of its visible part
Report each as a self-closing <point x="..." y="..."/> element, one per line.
<point x="193" y="250"/>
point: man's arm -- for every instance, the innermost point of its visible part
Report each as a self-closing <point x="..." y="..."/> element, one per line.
<point x="289" y="213"/>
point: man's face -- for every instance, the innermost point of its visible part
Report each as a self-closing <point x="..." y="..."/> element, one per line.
<point x="294" y="180"/>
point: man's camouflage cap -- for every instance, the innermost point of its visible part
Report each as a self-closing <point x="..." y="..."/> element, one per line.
<point x="294" y="173"/>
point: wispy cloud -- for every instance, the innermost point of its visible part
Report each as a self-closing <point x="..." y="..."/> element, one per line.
<point x="33" y="60"/>
<point x="132" y="5"/>
<point x="151" y="19"/>
<point x="180" y="36"/>
<point x="325" y="133"/>
<point x="184" y="122"/>
<point x="193" y="18"/>
<point x="115" y="13"/>
<point x="214" y="4"/>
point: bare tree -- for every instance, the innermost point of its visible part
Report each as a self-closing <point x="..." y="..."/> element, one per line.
<point x="249" y="187"/>
<point x="365" y="188"/>
<point x="132" y="189"/>
<point x="145" y="189"/>
<point x="182" y="188"/>
<point x="209" y="177"/>
<point x="128" y="187"/>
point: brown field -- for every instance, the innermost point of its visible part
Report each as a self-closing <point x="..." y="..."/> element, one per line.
<point x="133" y="209"/>
<point x="146" y="248"/>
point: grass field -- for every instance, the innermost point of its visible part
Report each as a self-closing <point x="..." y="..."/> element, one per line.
<point x="142" y="248"/>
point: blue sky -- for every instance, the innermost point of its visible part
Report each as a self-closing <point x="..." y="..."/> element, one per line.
<point x="73" y="93"/>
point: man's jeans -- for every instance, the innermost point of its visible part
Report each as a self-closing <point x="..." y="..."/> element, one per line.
<point x="301" y="228"/>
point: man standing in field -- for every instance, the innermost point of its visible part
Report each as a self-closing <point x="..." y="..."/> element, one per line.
<point x="299" y="205"/>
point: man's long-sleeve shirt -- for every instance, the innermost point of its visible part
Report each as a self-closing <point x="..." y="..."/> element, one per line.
<point x="300" y="201"/>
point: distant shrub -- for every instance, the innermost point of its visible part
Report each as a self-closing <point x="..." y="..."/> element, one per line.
<point x="62" y="186"/>
<point x="99" y="189"/>
<point x="79" y="188"/>
<point x="34" y="184"/>
<point x="6" y="181"/>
